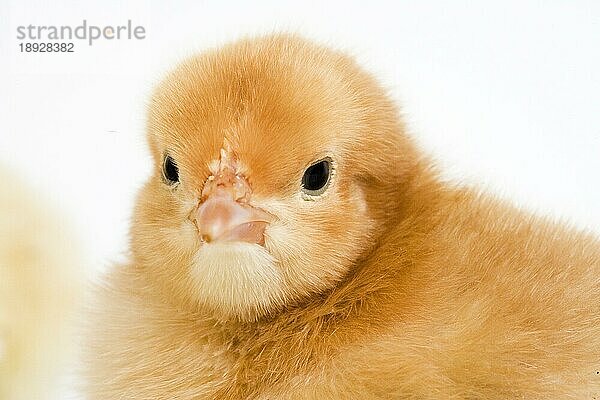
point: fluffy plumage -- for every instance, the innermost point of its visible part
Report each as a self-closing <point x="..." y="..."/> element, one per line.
<point x="392" y="284"/>
<point x="40" y="285"/>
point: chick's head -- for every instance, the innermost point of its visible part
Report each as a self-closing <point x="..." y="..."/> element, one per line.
<point x="278" y="165"/>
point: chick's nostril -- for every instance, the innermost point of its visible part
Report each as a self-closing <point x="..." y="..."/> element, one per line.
<point x="241" y="189"/>
<point x="235" y="186"/>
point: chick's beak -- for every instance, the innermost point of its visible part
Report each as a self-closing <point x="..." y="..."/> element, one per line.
<point x="224" y="213"/>
<point x="220" y="218"/>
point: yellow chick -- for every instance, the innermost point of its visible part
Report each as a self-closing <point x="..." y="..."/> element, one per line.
<point x="40" y="284"/>
<point x="293" y="243"/>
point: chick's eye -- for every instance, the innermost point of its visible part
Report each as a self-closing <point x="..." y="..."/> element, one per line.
<point x="316" y="178"/>
<point x="170" y="171"/>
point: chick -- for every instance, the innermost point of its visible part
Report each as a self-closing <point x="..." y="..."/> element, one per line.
<point x="40" y="284"/>
<point x="293" y="243"/>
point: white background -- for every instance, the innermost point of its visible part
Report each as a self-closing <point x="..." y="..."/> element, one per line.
<point x="503" y="94"/>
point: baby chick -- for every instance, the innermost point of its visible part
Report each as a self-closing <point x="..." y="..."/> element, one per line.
<point x="293" y="243"/>
<point x="40" y="284"/>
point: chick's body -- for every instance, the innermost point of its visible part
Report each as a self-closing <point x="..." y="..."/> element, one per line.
<point x="40" y="282"/>
<point x="383" y="283"/>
